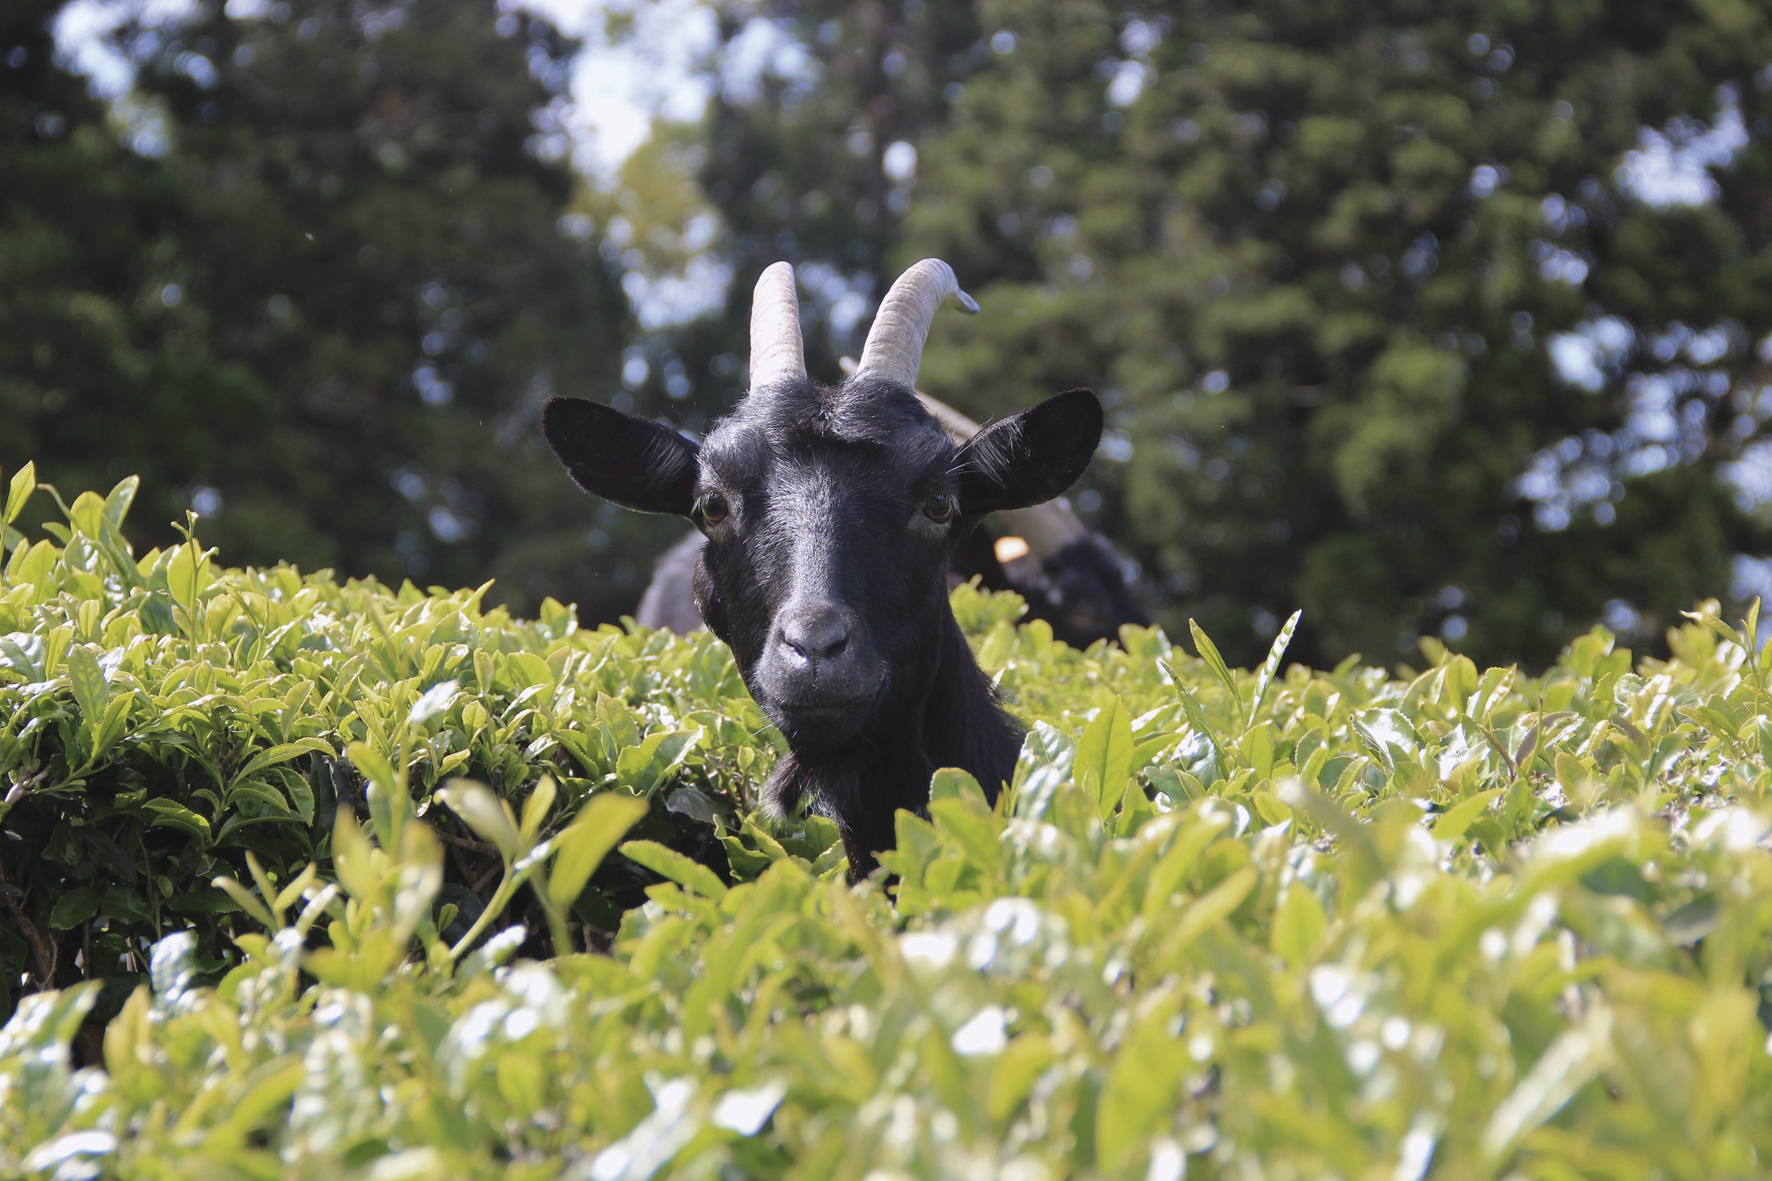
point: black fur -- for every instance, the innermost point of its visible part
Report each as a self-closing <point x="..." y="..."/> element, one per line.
<point x="828" y="577"/>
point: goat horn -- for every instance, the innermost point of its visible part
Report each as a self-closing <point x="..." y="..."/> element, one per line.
<point x="776" y="349"/>
<point x="894" y="349"/>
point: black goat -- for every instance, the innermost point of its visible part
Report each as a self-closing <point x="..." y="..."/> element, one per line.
<point x="830" y="515"/>
<point x="1068" y="575"/>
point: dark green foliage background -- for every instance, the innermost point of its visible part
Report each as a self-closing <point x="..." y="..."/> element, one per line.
<point x="348" y="186"/>
<point x="1374" y="418"/>
<point x="1288" y="207"/>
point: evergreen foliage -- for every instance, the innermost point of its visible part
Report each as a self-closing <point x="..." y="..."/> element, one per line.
<point x="1319" y="259"/>
<point x="1326" y="921"/>
<point x="324" y="298"/>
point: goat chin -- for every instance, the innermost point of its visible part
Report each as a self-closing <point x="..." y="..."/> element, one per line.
<point x="863" y="780"/>
<point x="826" y="726"/>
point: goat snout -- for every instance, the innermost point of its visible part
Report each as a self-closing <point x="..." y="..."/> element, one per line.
<point x="815" y="634"/>
<point x="818" y="679"/>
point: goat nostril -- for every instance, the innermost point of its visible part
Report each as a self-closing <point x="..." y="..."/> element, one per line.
<point x="816" y="635"/>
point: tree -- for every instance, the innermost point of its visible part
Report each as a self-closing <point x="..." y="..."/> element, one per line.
<point x="83" y="325"/>
<point x="1385" y="329"/>
<point x="358" y="299"/>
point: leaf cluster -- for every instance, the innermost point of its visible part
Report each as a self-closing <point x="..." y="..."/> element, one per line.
<point x="162" y="719"/>
<point x="1327" y="922"/>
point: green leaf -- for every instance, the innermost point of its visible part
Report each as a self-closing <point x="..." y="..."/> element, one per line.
<point x="1196" y="717"/>
<point x="1104" y="756"/>
<point x="966" y="823"/>
<point x="672" y="865"/>
<point x="1261" y="751"/>
<point x="1299" y="926"/>
<point x="31" y="564"/>
<point x="187" y="574"/>
<point x="1213" y="907"/>
<point x="1370" y="741"/>
<point x="528" y="669"/>
<point x="91" y="689"/>
<point x="73" y="908"/>
<point x="24" y="482"/>
<point x="88" y="514"/>
<point x="248" y="902"/>
<point x="121" y="496"/>
<point x="1209" y="653"/>
<point x="21" y="660"/>
<point x="489" y="816"/>
<point x="1723" y="630"/>
<point x="376" y="768"/>
<point x="951" y="783"/>
<point x="283" y="752"/>
<point x="168" y="814"/>
<point x="1271" y="665"/>
<point x="1015" y="1072"/>
<point x="111" y="727"/>
<point x="647" y="766"/>
<point x="537" y="807"/>
<point x="1458" y="818"/>
<point x="259" y="793"/>
<point x="202" y="904"/>
<point x="587" y="840"/>
<point x="125" y="905"/>
<point x="1143" y="1084"/>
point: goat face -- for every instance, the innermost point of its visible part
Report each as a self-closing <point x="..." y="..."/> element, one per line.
<point x="830" y="515"/>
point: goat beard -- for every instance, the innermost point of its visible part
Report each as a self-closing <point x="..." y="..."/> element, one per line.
<point x="861" y="787"/>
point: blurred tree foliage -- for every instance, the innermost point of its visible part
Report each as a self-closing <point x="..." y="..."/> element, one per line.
<point x="1317" y="259"/>
<point x="323" y="297"/>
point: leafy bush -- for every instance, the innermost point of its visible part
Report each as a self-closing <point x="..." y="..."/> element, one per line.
<point x="1319" y="923"/>
<point x="163" y="717"/>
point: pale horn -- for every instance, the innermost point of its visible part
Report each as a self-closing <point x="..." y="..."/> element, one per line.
<point x="894" y="350"/>
<point x="776" y="350"/>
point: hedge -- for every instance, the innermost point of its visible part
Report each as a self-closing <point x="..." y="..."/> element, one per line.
<point x="421" y="890"/>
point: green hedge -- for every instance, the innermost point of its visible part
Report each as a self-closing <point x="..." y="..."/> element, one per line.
<point x="1311" y="924"/>
<point x="164" y="717"/>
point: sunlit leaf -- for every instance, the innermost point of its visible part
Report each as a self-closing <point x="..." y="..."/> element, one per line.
<point x="588" y="839"/>
<point x="672" y="865"/>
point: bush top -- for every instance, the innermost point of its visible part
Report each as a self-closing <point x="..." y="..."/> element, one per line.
<point x="1320" y="921"/>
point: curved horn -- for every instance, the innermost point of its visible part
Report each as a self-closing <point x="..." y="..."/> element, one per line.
<point x="776" y="350"/>
<point x="895" y="343"/>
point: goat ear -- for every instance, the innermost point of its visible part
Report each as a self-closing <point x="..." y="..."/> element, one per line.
<point x="621" y="457"/>
<point x="1030" y="457"/>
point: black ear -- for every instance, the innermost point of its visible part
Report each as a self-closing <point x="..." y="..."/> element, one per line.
<point x="1030" y="457"/>
<point x="623" y="458"/>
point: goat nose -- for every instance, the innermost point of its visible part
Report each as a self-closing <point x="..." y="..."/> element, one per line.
<point x="816" y="633"/>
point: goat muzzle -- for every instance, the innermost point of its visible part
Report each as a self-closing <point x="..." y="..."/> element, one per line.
<point x="819" y="678"/>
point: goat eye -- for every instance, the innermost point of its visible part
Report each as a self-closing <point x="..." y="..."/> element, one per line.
<point x="713" y="508"/>
<point x="940" y="509"/>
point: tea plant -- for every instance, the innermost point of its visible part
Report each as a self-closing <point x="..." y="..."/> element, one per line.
<point x="1223" y="922"/>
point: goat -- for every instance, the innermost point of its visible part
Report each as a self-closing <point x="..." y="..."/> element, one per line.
<point x="830" y="514"/>
<point x="1068" y="575"/>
